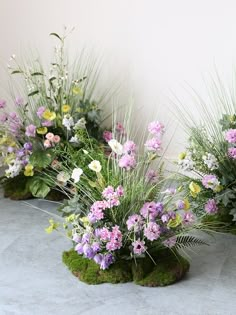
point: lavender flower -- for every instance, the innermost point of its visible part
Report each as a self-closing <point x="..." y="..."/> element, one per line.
<point x="151" y="210"/>
<point x="40" y="111"/>
<point x="211" y="206"/>
<point x="28" y="146"/>
<point x="107" y="260"/>
<point x="139" y="247"/>
<point x="152" y="231"/>
<point x="230" y="136"/>
<point x="30" y="131"/>
<point x="180" y="204"/>
<point x="107" y="135"/>
<point x="170" y="242"/>
<point x="3" y="117"/>
<point x="151" y="176"/>
<point x="79" y="248"/>
<point x="127" y="162"/>
<point x="210" y="181"/>
<point x="135" y="222"/>
<point x="88" y="251"/>
<point x="154" y="144"/>
<point x="156" y="128"/>
<point x="19" y="101"/>
<point x="232" y="153"/>
<point x="129" y="147"/>
<point x="2" y="104"/>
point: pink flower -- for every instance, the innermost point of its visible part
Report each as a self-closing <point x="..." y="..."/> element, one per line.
<point x="3" y="117"/>
<point x="108" y="192"/>
<point x="2" y="104"/>
<point x="230" y="136"/>
<point x="154" y="144"/>
<point x="156" y="128"/>
<point x="50" y="136"/>
<point x="129" y="147"/>
<point x="152" y="176"/>
<point x="170" y="242"/>
<point x="188" y="218"/>
<point x="104" y="234"/>
<point x="56" y="139"/>
<point x="151" y="210"/>
<point x="30" y="131"/>
<point x="120" y="191"/>
<point x="135" y="222"/>
<point x="139" y="247"/>
<point x="211" y="207"/>
<point x="120" y="128"/>
<point x="232" y="153"/>
<point x="152" y="231"/>
<point x="47" y="144"/>
<point x="40" y="112"/>
<point x="107" y="135"/>
<point x="19" y="101"/>
<point x="47" y="123"/>
<point x="127" y="162"/>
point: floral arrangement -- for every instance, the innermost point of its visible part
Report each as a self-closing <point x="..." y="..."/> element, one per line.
<point x="121" y="205"/>
<point x="51" y="108"/>
<point x="212" y="161"/>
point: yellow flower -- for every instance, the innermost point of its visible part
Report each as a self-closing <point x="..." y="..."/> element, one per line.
<point x="85" y="221"/>
<point x="9" y="158"/>
<point x="53" y="226"/>
<point x="65" y="108"/>
<point x="48" y="115"/>
<point x="194" y="189"/>
<point x="182" y="155"/>
<point x="77" y="91"/>
<point x="42" y="130"/>
<point x="29" y="170"/>
<point x="175" y="222"/>
<point x="218" y="188"/>
<point x="186" y="204"/>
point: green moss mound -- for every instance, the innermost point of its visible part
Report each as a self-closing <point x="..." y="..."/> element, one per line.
<point x="16" y="188"/>
<point x="169" y="268"/>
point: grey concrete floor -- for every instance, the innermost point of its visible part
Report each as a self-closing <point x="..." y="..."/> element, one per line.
<point x="33" y="279"/>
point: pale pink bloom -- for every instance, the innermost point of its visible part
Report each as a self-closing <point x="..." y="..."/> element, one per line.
<point x="56" y="139"/>
<point x="50" y="136"/>
<point x="47" y="144"/>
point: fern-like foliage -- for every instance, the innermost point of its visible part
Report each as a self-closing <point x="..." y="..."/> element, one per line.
<point x="185" y="241"/>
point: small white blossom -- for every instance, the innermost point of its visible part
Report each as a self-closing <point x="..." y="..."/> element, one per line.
<point x="186" y="163"/>
<point x="13" y="169"/>
<point x="62" y="178"/>
<point x="76" y="173"/>
<point x="116" y="146"/>
<point x="95" y="166"/>
<point x="68" y="121"/>
<point x="211" y="161"/>
<point x="74" y="139"/>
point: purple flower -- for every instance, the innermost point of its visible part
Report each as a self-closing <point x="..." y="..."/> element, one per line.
<point x="139" y="247"/>
<point x="107" y="135"/>
<point x="129" y="147"/>
<point x="47" y="123"/>
<point x="105" y="234"/>
<point x="96" y="211"/>
<point x="188" y="218"/>
<point x="30" y="131"/>
<point x="79" y="248"/>
<point x="98" y="258"/>
<point x="230" y="136"/>
<point x="28" y="146"/>
<point x="88" y="251"/>
<point x="108" y="192"/>
<point x="127" y="162"/>
<point x="3" y="117"/>
<point x="120" y="191"/>
<point x="86" y="237"/>
<point x="2" y="104"/>
<point x="170" y="242"/>
<point x="156" y="128"/>
<point x="76" y="238"/>
<point x="232" y="153"/>
<point x="95" y="247"/>
<point x="10" y="149"/>
<point x="152" y="231"/>
<point x="151" y="176"/>
<point x="107" y="260"/>
<point x="180" y="204"/>
<point x="154" y="144"/>
<point x="13" y="115"/>
<point x="40" y="111"/>
<point x="20" y="153"/>
<point x="210" y="181"/>
<point x="211" y="207"/>
<point x="135" y="222"/>
<point x="165" y="218"/>
<point x="151" y="210"/>
<point x="19" y="101"/>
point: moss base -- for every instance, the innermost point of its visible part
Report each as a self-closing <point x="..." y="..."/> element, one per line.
<point x="16" y="188"/>
<point x="169" y="269"/>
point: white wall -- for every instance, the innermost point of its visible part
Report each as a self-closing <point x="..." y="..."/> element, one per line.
<point x="158" y="45"/>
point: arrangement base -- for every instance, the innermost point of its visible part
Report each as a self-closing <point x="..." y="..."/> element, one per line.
<point x="169" y="269"/>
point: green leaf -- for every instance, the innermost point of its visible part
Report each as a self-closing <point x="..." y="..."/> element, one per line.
<point x="33" y="93"/>
<point x="36" y="73"/>
<point x="38" y="187"/>
<point x="56" y="35"/>
<point x="16" y="71"/>
<point x="41" y="159"/>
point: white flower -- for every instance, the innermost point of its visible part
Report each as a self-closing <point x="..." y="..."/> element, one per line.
<point x="187" y="163"/>
<point x="76" y="173"/>
<point x="62" y="178"/>
<point x="13" y="169"/>
<point x="116" y="146"/>
<point x="74" y="139"/>
<point x="68" y="121"/>
<point x="80" y="124"/>
<point x="85" y="152"/>
<point x="211" y="161"/>
<point x="95" y="166"/>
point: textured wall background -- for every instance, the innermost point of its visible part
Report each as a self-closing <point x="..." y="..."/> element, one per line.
<point x="155" y="48"/>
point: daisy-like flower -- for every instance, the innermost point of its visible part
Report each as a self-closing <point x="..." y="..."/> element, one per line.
<point x="95" y="166"/>
<point x="116" y="146"/>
